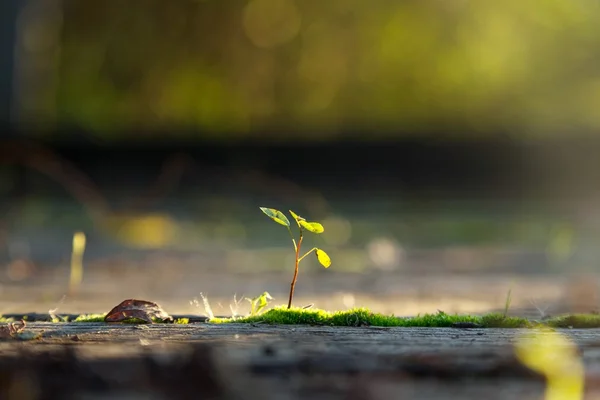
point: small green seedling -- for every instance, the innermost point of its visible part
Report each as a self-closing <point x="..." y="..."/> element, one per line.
<point x="313" y="227"/>
<point x="258" y="303"/>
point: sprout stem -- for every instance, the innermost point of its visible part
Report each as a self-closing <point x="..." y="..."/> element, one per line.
<point x="293" y="285"/>
<point x="307" y="253"/>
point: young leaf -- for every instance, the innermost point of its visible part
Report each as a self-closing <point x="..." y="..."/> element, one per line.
<point x="313" y="227"/>
<point x="263" y="300"/>
<point x="258" y="303"/>
<point x="276" y="216"/>
<point x="296" y="217"/>
<point x="323" y="258"/>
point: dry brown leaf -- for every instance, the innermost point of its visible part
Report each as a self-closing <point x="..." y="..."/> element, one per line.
<point x="141" y="309"/>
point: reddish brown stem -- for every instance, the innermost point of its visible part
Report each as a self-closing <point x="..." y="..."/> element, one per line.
<point x="295" y="272"/>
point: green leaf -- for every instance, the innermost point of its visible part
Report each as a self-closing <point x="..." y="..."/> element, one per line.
<point x="263" y="301"/>
<point x="276" y="216"/>
<point x="313" y="227"/>
<point x="296" y="217"/>
<point x="323" y="258"/>
<point x="258" y="303"/>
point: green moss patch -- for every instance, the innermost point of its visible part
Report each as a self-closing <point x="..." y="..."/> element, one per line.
<point x="281" y="315"/>
<point x="496" y="320"/>
<point x="364" y="317"/>
<point x="574" y="321"/>
<point x="90" y="318"/>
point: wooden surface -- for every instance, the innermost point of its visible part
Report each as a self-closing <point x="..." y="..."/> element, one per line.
<point x="238" y="361"/>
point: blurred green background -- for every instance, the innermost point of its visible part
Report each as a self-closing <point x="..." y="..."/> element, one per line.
<point x="243" y="68"/>
<point x="431" y="138"/>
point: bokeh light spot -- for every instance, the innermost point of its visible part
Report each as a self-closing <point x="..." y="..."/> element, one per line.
<point x="338" y="231"/>
<point x="385" y="253"/>
<point x="149" y="231"/>
<point x="271" y="23"/>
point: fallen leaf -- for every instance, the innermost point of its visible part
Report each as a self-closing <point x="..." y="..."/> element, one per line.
<point x="141" y="309"/>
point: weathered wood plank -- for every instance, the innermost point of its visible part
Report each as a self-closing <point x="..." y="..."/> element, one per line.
<point x="240" y="361"/>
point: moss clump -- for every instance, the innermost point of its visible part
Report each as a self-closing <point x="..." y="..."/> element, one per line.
<point x="362" y="316"/>
<point x="438" y="320"/>
<point x="90" y="318"/>
<point x="281" y="315"/>
<point x="574" y="321"/>
<point x="217" y="320"/>
<point x="497" y="320"/>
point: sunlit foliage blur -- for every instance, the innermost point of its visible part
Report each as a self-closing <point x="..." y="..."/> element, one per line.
<point x="244" y="66"/>
<point x="556" y="357"/>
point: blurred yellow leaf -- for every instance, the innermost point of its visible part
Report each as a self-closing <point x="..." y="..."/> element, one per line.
<point x="77" y="261"/>
<point x="78" y="242"/>
<point x="556" y="357"/>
